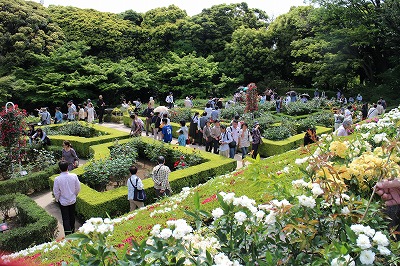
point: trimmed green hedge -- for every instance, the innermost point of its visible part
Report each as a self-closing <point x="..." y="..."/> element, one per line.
<point x="91" y="203"/>
<point x="82" y="145"/>
<point x="274" y="147"/>
<point x="38" y="226"/>
<point x="29" y="183"/>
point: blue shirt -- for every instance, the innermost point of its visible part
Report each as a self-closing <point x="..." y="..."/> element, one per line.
<point x="167" y="133"/>
<point x="59" y="116"/>
<point x="182" y="140"/>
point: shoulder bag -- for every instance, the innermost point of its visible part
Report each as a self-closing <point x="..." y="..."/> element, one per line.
<point x="138" y="194"/>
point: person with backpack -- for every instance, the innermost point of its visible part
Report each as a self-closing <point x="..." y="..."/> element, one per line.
<point x="156" y="120"/>
<point x="257" y="139"/>
<point x="134" y="183"/>
<point x="193" y="128"/>
<point x="148" y="113"/>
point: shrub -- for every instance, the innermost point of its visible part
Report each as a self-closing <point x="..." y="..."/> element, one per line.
<point x="37" y="226"/>
<point x="277" y="133"/>
<point x="229" y="113"/>
<point x="74" y="129"/>
<point x="178" y="114"/>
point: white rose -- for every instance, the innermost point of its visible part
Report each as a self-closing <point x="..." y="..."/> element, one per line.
<point x="380" y="239"/>
<point x="384" y="251"/>
<point x="367" y="257"/>
<point x="240" y="217"/>
<point x="217" y="213"/>
<point x="363" y="241"/>
<point x="165" y="233"/>
<point x="306" y="201"/>
<point x="345" y="211"/>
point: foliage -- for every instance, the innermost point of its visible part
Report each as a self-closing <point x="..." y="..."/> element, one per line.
<point x="37" y="225"/>
<point x="232" y="111"/>
<point x="180" y="114"/>
<point x="12" y="129"/>
<point x="277" y="133"/>
<point x="74" y="129"/>
<point x="25" y="30"/>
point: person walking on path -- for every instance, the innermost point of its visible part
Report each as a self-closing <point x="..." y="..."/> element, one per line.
<point x="225" y="139"/>
<point x="244" y="140"/>
<point x="234" y="131"/>
<point x="216" y="135"/>
<point x="166" y="131"/>
<point x="69" y="155"/>
<point x="170" y="100"/>
<point x="66" y="189"/>
<point x="134" y="179"/>
<point x="100" y="106"/>
<point x="256" y="134"/>
<point x="148" y="113"/>
<point x="207" y="136"/>
<point x="160" y="176"/>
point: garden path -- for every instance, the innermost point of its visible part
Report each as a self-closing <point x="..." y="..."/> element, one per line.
<point x="46" y="200"/>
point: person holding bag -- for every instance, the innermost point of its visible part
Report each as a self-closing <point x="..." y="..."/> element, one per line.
<point x="136" y="194"/>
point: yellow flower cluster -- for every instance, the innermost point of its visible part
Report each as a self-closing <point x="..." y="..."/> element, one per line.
<point x="368" y="167"/>
<point x="338" y="148"/>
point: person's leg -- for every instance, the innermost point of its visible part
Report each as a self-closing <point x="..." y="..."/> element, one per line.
<point x="255" y="150"/>
<point x="71" y="209"/>
<point x="216" y="146"/>
<point x="65" y="219"/>
<point x="244" y="152"/>
<point x="132" y="205"/>
<point x="148" y="121"/>
<point x="139" y="204"/>
<point x="232" y="153"/>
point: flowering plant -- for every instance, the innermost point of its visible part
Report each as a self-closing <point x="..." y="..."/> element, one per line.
<point x="180" y="163"/>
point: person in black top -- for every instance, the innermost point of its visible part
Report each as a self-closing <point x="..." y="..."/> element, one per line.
<point x="100" y="106"/>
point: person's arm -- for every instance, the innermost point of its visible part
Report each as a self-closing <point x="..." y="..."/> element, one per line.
<point x="56" y="190"/>
<point x="77" y="186"/>
<point x="389" y="190"/>
<point x="43" y="136"/>
<point x="76" y="159"/>
<point x="140" y="185"/>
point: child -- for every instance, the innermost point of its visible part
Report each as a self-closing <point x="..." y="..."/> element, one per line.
<point x="166" y="131"/>
<point x="181" y="138"/>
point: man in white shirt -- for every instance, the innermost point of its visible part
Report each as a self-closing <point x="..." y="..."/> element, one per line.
<point x="65" y="190"/>
<point x="373" y="112"/>
<point x="134" y="182"/>
<point x="234" y="131"/>
<point x="170" y="100"/>
<point x="380" y="108"/>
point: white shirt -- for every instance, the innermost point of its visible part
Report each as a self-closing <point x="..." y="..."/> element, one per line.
<point x="131" y="189"/>
<point x="372" y="112"/>
<point x="341" y="131"/>
<point x="169" y="99"/>
<point x="66" y="188"/>
<point x="209" y="111"/>
<point x="235" y="132"/>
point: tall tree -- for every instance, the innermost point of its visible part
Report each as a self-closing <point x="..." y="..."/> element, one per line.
<point x="107" y="34"/>
<point x="25" y="30"/>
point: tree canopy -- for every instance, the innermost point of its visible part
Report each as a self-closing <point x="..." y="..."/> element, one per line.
<point x="58" y="53"/>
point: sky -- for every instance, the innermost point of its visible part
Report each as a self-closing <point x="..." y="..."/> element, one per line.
<point x="273" y="8"/>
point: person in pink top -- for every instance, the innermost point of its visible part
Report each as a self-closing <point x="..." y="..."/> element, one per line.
<point x="66" y="188"/>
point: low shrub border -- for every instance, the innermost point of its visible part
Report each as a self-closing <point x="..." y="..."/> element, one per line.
<point x="29" y="183"/>
<point x="91" y="203"/>
<point x="82" y="145"/>
<point x="39" y="227"/>
<point x="274" y="147"/>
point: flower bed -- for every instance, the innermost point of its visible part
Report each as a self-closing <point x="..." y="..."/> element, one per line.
<point x="38" y="226"/>
<point x="91" y="203"/>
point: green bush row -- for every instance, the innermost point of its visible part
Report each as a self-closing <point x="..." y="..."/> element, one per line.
<point x="91" y="203"/>
<point x="30" y="183"/>
<point x="274" y="147"/>
<point x="37" y="225"/>
<point x="82" y="145"/>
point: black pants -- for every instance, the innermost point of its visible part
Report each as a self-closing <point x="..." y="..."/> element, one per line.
<point x="100" y="115"/>
<point x="216" y="146"/>
<point x="68" y="217"/>
<point x="209" y="145"/>
<point x="254" y="148"/>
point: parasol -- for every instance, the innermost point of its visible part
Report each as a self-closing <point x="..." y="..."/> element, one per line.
<point x="161" y="109"/>
<point x="305" y="95"/>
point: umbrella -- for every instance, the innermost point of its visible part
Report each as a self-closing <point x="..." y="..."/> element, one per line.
<point x="161" y="109"/>
<point x="305" y="95"/>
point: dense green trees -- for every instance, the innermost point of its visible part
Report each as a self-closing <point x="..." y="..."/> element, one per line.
<point x="57" y="53"/>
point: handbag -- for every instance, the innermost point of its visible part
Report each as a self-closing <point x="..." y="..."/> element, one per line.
<point x="138" y="194"/>
<point x="232" y="144"/>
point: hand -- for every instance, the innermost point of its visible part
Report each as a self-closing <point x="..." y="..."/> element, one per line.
<point x="389" y="190"/>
